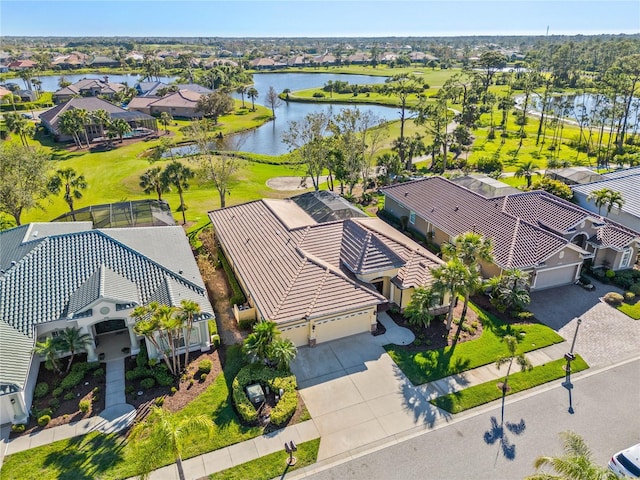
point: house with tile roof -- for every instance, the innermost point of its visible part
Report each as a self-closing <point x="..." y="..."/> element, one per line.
<point x="536" y="232"/>
<point x="51" y="118"/>
<point x="88" y="87"/>
<point x="180" y="104"/>
<point x="319" y="276"/>
<point x="59" y="275"/>
<point x="627" y="182"/>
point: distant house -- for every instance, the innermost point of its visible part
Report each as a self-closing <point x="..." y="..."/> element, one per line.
<point x="574" y="175"/>
<point x="88" y="87"/>
<point x="69" y="62"/>
<point x="149" y="89"/>
<point x="263" y="63"/>
<point x="627" y="183"/>
<point x="359" y="58"/>
<point x="181" y="104"/>
<point x="101" y="61"/>
<point x="26" y="95"/>
<point x="59" y="275"/>
<point x="22" y="65"/>
<point x="317" y="266"/>
<point x="51" y="118"/>
<point x="536" y="232"/>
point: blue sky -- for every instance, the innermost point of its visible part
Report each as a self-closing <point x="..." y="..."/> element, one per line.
<point x="310" y="18"/>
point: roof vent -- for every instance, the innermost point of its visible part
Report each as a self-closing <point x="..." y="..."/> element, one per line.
<point x="456" y="208"/>
<point x="13" y="263"/>
<point x="35" y="233"/>
<point x="406" y="194"/>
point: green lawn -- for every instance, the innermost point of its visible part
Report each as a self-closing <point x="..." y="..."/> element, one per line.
<point x="519" y="381"/>
<point x="272" y="465"/>
<point x="631" y="309"/>
<point x="98" y="456"/>
<point x="429" y="365"/>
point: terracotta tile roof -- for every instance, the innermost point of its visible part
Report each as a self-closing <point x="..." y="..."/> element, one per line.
<point x="292" y="273"/>
<point x="182" y="98"/>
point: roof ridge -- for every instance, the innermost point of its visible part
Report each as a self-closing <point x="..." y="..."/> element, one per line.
<point x="312" y="304"/>
<point x="292" y="283"/>
<point x="514" y="238"/>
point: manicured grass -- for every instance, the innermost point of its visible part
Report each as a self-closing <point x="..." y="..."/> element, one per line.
<point x="631" y="309"/>
<point x="272" y="465"/>
<point x="110" y="457"/>
<point x="429" y="365"/>
<point x="519" y="381"/>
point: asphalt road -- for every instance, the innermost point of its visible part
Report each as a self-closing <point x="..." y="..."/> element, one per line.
<point x="606" y="412"/>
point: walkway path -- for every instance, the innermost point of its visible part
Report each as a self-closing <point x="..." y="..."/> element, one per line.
<point x="116" y="416"/>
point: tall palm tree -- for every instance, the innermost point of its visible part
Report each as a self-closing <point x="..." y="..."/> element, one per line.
<point x="469" y="248"/>
<point x="242" y="89"/>
<point x="73" y="185"/>
<point x="252" y="93"/>
<point x="165" y="120"/>
<point x="49" y="350"/>
<point x="153" y="181"/>
<point x="178" y="175"/>
<point x="527" y="170"/>
<point x="20" y="126"/>
<point x="615" y="200"/>
<point x="69" y="125"/>
<point x="163" y="433"/>
<point x="119" y="126"/>
<point x="188" y="310"/>
<point x="576" y="463"/>
<point x="452" y="278"/>
<point x="282" y="352"/>
<point x="102" y="118"/>
<point x="520" y="359"/>
<point x="606" y="197"/>
<point x="71" y="340"/>
<point x="148" y="325"/>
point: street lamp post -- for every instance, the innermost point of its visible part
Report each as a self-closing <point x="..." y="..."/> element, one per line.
<point x="569" y="356"/>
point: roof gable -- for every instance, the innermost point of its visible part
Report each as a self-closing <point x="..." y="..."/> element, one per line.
<point x="363" y="252"/>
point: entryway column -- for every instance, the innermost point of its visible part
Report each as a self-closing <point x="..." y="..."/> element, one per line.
<point x="91" y="346"/>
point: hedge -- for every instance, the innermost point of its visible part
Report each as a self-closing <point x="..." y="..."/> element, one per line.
<point x="238" y="297"/>
<point x="41" y="390"/>
<point x="275" y="380"/>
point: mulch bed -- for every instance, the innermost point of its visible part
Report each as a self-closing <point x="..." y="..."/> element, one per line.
<point x="68" y="411"/>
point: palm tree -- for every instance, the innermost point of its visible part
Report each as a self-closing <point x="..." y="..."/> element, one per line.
<point x="451" y="278"/>
<point x="69" y="125"/>
<point x="575" y="464"/>
<point x="165" y="120"/>
<point x="178" y="175"/>
<point x="418" y="312"/>
<point x="153" y="181"/>
<point x="120" y="126"/>
<point x="252" y="93"/>
<point x="71" y="340"/>
<point x="606" y="197"/>
<point x="21" y="126"/>
<point x="527" y="170"/>
<point x="258" y="342"/>
<point x="469" y="248"/>
<point x="520" y="358"/>
<point x="148" y="325"/>
<point x="73" y="184"/>
<point x="509" y="290"/>
<point x="102" y="118"/>
<point x="163" y="433"/>
<point x="615" y="200"/>
<point x="242" y="89"/>
<point x="282" y="352"/>
<point x="49" y="350"/>
<point x="188" y="310"/>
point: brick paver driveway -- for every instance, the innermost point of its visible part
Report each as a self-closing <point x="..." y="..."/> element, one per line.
<point x="605" y="335"/>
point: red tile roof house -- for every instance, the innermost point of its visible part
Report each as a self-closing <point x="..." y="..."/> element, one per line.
<point x="88" y="87"/>
<point x="319" y="277"/>
<point x="533" y="231"/>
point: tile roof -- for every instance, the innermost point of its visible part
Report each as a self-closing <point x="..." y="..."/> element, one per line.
<point x="526" y="228"/>
<point x="307" y="271"/>
<point x="62" y="272"/>
<point x="181" y="98"/>
<point x="627" y="182"/>
<point x="15" y="355"/>
<point x="87" y="103"/>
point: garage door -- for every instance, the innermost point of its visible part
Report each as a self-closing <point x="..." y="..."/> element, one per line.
<point x="555" y="277"/>
<point x="343" y="326"/>
<point x="298" y="334"/>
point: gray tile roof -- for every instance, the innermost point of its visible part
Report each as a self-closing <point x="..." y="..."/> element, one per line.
<point x="48" y="280"/>
<point x="15" y="355"/>
<point x="292" y="273"/>
<point x="627" y="182"/>
<point x="526" y="228"/>
<point x="103" y="283"/>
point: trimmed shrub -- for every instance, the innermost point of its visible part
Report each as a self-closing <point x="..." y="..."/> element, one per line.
<point x="138" y="373"/>
<point x="246" y="324"/>
<point x="213" y="326"/>
<point x="629" y="296"/>
<point x="44" y="420"/>
<point x="215" y="340"/>
<point x="163" y="378"/>
<point x="72" y="379"/>
<point x="147" y="383"/>
<point x="318" y="95"/>
<point x="635" y="288"/>
<point x="205" y="366"/>
<point x="57" y="391"/>
<point x="203" y="377"/>
<point x="142" y="359"/>
<point x="18" y="428"/>
<point x="159" y="401"/>
<point x="54" y="403"/>
<point x="614" y="299"/>
<point x="98" y="372"/>
<point x="95" y="390"/>
<point x="523" y="316"/>
<point x="610" y="274"/>
<point x="69" y="396"/>
<point x="173" y="390"/>
<point x="129" y="389"/>
<point x="41" y="390"/>
<point x="84" y="406"/>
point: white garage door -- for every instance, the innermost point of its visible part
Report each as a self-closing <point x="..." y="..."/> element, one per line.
<point x="298" y="334"/>
<point x="555" y="277"/>
<point x="343" y="326"/>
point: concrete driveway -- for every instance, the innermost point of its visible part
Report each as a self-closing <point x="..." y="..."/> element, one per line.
<point x="605" y="335"/>
<point x="357" y="395"/>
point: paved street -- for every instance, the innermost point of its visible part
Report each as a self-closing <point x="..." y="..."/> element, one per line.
<point x="605" y="405"/>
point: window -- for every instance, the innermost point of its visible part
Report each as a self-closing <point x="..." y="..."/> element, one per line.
<point x="626" y="258"/>
<point x="412" y="218"/>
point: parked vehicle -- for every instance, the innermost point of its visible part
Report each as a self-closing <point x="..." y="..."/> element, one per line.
<point x="626" y="463"/>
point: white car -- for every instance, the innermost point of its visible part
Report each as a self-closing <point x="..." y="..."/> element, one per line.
<point x="626" y="464"/>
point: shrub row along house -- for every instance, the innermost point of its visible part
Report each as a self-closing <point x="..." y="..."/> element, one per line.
<point x="317" y="266"/>
<point x="59" y="275"/>
<point x="536" y="232"/>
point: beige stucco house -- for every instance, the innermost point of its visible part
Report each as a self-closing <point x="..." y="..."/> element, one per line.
<point x="536" y="232"/>
<point x="317" y="266"/>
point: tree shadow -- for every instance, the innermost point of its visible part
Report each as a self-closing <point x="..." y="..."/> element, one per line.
<point x="497" y="434"/>
<point x="86" y="457"/>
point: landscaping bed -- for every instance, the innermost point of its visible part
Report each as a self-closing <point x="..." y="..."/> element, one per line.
<point x="62" y="404"/>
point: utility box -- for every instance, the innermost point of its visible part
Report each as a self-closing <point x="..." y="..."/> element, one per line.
<point x="255" y="393"/>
